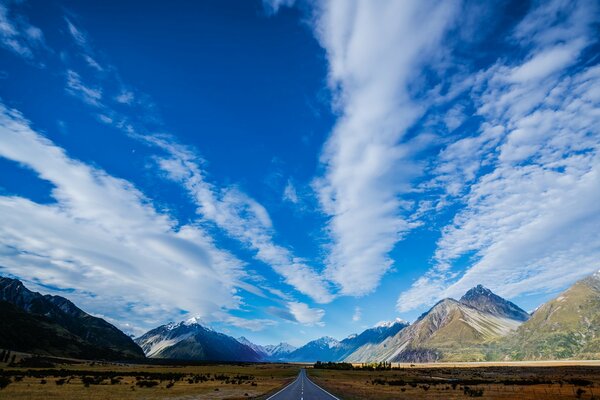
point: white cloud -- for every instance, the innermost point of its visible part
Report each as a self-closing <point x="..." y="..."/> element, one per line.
<point x="273" y="6"/>
<point x="253" y="324"/>
<point x="103" y="238"/>
<point x="125" y="97"/>
<point x="242" y="218"/>
<point x="357" y="314"/>
<point x="306" y="315"/>
<point x="17" y="34"/>
<point x="376" y="51"/>
<point x="77" y="88"/>
<point x="78" y="35"/>
<point x="530" y="221"/>
<point x="289" y="193"/>
<point x="237" y="214"/>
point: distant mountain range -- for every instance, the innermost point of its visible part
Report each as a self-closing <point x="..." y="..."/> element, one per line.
<point x="277" y="352"/>
<point x="329" y="349"/>
<point x="481" y="326"/>
<point x="52" y="325"/>
<point x="450" y="331"/>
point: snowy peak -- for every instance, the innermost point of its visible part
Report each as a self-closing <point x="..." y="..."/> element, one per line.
<point x="483" y="299"/>
<point x="269" y="352"/>
<point x="327" y="341"/>
<point x="279" y="349"/>
<point x="389" y="324"/>
<point x="260" y="350"/>
<point x="189" y="340"/>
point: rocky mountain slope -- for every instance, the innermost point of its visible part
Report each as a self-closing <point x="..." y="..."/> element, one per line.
<point x="53" y="325"/>
<point x="451" y="331"/>
<point x="484" y="300"/>
<point x="189" y="340"/>
<point x="565" y="327"/>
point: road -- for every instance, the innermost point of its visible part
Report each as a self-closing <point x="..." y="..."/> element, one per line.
<point x="302" y="389"/>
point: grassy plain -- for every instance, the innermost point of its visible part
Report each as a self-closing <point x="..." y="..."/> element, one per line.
<point x="548" y="380"/>
<point x="98" y="380"/>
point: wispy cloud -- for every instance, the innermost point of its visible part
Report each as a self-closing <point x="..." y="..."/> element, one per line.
<point x="251" y="324"/>
<point x="229" y="208"/>
<point x="273" y="6"/>
<point x="242" y="218"/>
<point x="103" y="238"/>
<point x="17" y="34"/>
<point x="289" y="193"/>
<point x="530" y="219"/>
<point x="306" y="315"/>
<point x="77" y="88"/>
<point x="357" y="314"/>
<point x="376" y="51"/>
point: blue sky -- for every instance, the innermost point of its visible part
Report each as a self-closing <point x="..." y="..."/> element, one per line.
<point x="287" y="170"/>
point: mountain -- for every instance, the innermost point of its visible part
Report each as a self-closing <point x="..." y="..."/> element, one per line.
<point x="64" y="329"/>
<point x="270" y="352"/>
<point x="450" y="331"/>
<point x="189" y="340"/>
<point x="484" y="300"/>
<point x="329" y="349"/>
<point x="260" y="350"/>
<point x="377" y="334"/>
<point x="325" y="348"/>
<point x="565" y="327"/>
<point x="279" y="351"/>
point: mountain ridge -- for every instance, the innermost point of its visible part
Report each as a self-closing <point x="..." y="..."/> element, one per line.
<point x="567" y="326"/>
<point x="189" y="340"/>
<point x="450" y="330"/>
<point x="62" y="320"/>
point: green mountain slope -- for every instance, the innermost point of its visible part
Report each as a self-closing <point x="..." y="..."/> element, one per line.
<point x="566" y="327"/>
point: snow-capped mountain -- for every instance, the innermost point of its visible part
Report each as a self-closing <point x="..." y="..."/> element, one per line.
<point x="389" y="324"/>
<point x="189" y="340"/>
<point x="269" y="352"/>
<point x="325" y="348"/>
<point x="330" y="349"/>
<point x="279" y="351"/>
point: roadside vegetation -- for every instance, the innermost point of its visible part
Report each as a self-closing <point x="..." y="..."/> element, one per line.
<point x="43" y="378"/>
<point x="382" y="381"/>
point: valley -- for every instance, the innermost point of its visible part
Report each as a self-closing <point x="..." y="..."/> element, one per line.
<point x="480" y="345"/>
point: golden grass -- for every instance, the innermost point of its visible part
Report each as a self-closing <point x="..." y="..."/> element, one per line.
<point x="448" y="382"/>
<point x="265" y="378"/>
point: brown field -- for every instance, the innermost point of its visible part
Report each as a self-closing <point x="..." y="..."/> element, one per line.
<point x="545" y="380"/>
<point x="97" y="380"/>
<point x="46" y="379"/>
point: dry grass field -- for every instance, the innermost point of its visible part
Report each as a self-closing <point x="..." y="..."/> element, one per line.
<point x="47" y="379"/>
<point x="525" y="381"/>
<point x="95" y="380"/>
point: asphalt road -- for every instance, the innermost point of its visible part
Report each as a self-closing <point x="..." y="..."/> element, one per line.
<point x="302" y="389"/>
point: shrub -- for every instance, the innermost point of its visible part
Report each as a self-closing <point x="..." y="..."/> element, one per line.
<point x="146" y="384"/>
<point x="473" y="392"/>
<point x="4" y="382"/>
